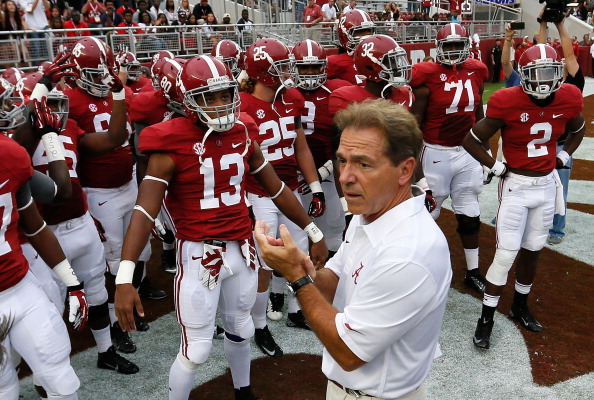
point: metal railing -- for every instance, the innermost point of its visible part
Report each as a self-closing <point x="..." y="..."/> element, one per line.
<point x="192" y="40"/>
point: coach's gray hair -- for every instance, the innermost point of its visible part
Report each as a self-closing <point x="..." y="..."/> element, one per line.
<point x="399" y="127"/>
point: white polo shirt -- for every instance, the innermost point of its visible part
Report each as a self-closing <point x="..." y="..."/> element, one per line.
<point x="394" y="276"/>
<point x="329" y="11"/>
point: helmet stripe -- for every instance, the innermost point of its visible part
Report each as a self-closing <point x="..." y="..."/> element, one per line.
<point x="101" y="45"/>
<point x="212" y="66"/>
<point x="218" y="48"/>
<point x="309" y="47"/>
<point x="543" y="51"/>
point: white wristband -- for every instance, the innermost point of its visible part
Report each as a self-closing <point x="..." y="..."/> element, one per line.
<point x="325" y="170"/>
<point x="422" y="183"/>
<point x="314" y="233"/>
<point x="121" y="95"/>
<point x="498" y="168"/>
<point x="315" y="187"/>
<point x="345" y="205"/>
<point x="39" y="91"/>
<point x="125" y="272"/>
<point x="53" y="147"/>
<point x="66" y="274"/>
<point x="563" y="156"/>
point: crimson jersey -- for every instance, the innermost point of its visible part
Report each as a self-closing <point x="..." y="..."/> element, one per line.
<point x="142" y="84"/>
<point x="15" y="170"/>
<point x="276" y="134"/>
<point x="317" y="121"/>
<point x="343" y="97"/>
<point x="77" y="205"/>
<point x="93" y="114"/>
<point x="149" y="108"/>
<point x="342" y="66"/>
<point x="530" y="133"/>
<point x="453" y="99"/>
<point x="206" y="201"/>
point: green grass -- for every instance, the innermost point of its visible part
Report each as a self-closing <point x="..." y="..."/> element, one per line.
<point x="491" y="88"/>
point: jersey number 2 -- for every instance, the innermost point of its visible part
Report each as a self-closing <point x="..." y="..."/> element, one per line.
<point x="545" y="130"/>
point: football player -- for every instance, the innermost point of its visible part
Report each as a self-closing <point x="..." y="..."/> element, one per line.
<point x="231" y="54"/>
<point x="385" y="66"/>
<point x="531" y="118"/>
<point x="71" y="221"/>
<point x="199" y="165"/>
<point x="35" y="330"/>
<point x="148" y="109"/>
<point x="353" y="26"/>
<point x="448" y="101"/>
<point x="269" y="97"/>
<point x="135" y="81"/>
<point x="106" y="179"/>
<point x="312" y="83"/>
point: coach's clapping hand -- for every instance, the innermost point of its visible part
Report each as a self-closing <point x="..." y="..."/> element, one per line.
<point x="282" y="254"/>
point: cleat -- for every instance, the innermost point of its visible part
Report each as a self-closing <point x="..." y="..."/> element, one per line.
<point x="121" y="340"/>
<point x="482" y="334"/>
<point x="525" y="318"/>
<point x="168" y="261"/>
<point x="266" y="343"/>
<point x="475" y="280"/>
<point x="297" y="320"/>
<point x="147" y="291"/>
<point x="219" y="332"/>
<point x="275" y="306"/>
<point x="112" y="360"/>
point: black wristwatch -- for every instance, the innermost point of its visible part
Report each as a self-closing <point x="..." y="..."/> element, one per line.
<point x="299" y="283"/>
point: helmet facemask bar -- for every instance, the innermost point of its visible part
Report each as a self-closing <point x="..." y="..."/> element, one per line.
<point x="134" y="71"/>
<point x="355" y="40"/>
<point x="59" y="104"/>
<point x="86" y="81"/>
<point x="12" y="113"/>
<point x="226" y="115"/>
<point x="311" y="81"/>
<point x="453" y="57"/>
<point x="542" y="77"/>
<point x="284" y="70"/>
<point x="232" y="63"/>
<point x="396" y="69"/>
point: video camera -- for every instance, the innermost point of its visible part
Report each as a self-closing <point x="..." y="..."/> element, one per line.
<point x="555" y="10"/>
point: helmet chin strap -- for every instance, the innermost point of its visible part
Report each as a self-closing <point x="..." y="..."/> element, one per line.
<point x="210" y="130"/>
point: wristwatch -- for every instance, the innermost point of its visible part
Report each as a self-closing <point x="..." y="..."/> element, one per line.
<point x="299" y="283"/>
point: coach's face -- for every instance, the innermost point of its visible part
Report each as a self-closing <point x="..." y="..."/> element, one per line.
<point x="368" y="179"/>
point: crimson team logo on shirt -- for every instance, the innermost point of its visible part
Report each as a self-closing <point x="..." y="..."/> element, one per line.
<point x="199" y="149"/>
<point x="356" y="274"/>
<point x="93" y="107"/>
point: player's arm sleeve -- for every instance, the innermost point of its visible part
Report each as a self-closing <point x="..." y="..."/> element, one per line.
<point x="43" y="188"/>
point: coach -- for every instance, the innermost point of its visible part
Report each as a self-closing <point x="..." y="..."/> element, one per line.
<point x="378" y="305"/>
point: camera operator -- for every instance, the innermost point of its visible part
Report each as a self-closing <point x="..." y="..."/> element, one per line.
<point x="573" y="75"/>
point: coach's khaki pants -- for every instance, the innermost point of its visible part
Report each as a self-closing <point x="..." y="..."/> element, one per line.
<point x="334" y="392"/>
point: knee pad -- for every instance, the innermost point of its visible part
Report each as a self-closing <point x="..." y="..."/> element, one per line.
<point x="98" y="298"/>
<point x="99" y="312"/>
<point x="468" y="225"/>
<point x="187" y="363"/>
<point x="60" y="383"/>
<point x="502" y="263"/>
<point x="198" y="351"/>
<point x="238" y="325"/>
